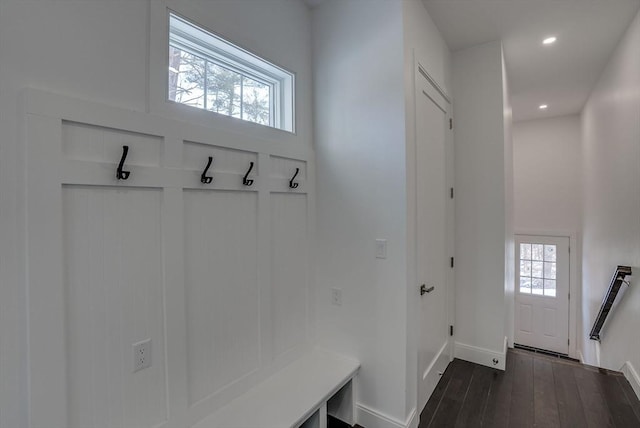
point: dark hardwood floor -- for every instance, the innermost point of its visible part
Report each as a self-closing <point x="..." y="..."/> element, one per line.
<point x="534" y="391"/>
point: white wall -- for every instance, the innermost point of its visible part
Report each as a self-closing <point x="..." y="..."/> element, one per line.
<point x="509" y="198"/>
<point x="548" y="191"/>
<point x="611" y="224"/>
<point x="98" y="51"/>
<point x="481" y="205"/>
<point x="361" y="192"/>
<point x="423" y="43"/>
<point x="548" y="174"/>
<point x="365" y="143"/>
<point x="423" y="40"/>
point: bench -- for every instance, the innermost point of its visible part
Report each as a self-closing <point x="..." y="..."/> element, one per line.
<point x="299" y="395"/>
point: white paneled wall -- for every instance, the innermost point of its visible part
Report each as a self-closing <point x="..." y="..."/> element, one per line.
<point x="227" y="160"/>
<point x="113" y="290"/>
<point x="95" y="144"/>
<point x="222" y="290"/>
<point x="215" y="274"/>
<point x="285" y="168"/>
<point x="111" y="52"/>
<point x="289" y="263"/>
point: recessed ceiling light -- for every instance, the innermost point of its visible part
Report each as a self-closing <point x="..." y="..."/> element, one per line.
<point x="549" y="40"/>
<point x="543" y="106"/>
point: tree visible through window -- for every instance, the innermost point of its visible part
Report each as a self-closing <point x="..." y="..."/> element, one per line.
<point x="209" y="73"/>
<point x="538" y="269"/>
<point x="200" y="83"/>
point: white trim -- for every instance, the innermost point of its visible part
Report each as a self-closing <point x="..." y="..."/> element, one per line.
<point x="575" y="281"/>
<point x="432" y="374"/>
<point x="481" y="356"/>
<point x="413" y="419"/>
<point x="49" y="104"/>
<point x="371" y="418"/>
<point x="435" y="360"/>
<point x="580" y="356"/>
<point x="433" y="82"/>
<point x="632" y="376"/>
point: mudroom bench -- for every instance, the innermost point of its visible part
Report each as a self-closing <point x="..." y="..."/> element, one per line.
<point x="302" y="394"/>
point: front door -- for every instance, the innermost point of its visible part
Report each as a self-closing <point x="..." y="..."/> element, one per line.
<point x="431" y="133"/>
<point x="542" y="292"/>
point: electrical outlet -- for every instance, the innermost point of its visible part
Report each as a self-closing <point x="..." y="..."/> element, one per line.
<point x="141" y="355"/>
<point x="336" y="296"/>
<point x="381" y="248"/>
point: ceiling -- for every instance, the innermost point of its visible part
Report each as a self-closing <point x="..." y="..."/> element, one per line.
<point x="560" y="75"/>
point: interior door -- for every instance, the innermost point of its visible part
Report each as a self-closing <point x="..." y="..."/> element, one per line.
<point x="542" y="292"/>
<point x="431" y="129"/>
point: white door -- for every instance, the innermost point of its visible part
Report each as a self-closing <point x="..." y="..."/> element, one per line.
<point x="432" y="261"/>
<point x="542" y="292"/>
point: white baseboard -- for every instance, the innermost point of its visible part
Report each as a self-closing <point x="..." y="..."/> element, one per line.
<point x="580" y="356"/>
<point x="482" y="356"/>
<point x="371" y="418"/>
<point x="632" y="376"/>
<point x="412" y="420"/>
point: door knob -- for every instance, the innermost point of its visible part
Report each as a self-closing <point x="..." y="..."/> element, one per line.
<point x="424" y="289"/>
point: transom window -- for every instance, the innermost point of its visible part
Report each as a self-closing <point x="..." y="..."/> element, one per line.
<point x="538" y="269"/>
<point x="210" y="73"/>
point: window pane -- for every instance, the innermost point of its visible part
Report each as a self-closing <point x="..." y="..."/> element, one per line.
<point x="525" y="285"/>
<point x="549" y="288"/>
<point x="537" y="251"/>
<point x="550" y="253"/>
<point x="525" y="251"/>
<point x="229" y="81"/>
<point x="536" y="286"/>
<point x="549" y="270"/>
<point x="223" y="90"/>
<point x="255" y="101"/>
<point x="525" y="268"/>
<point x="536" y="269"/>
<point x="186" y="78"/>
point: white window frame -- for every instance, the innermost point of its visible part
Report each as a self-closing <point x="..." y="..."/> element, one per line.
<point x="195" y="39"/>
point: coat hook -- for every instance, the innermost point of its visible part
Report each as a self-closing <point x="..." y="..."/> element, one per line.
<point x="245" y="180"/>
<point x="120" y="173"/>
<point x="293" y="185"/>
<point x="203" y="177"/>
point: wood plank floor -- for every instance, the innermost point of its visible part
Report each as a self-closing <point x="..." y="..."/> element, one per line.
<point x="534" y="391"/>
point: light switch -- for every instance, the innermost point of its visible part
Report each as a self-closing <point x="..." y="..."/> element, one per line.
<point x="381" y="248"/>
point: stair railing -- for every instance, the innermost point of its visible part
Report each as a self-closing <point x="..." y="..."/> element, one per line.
<point x="607" y="303"/>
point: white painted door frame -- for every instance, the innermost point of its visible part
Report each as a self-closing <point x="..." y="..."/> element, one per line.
<point x="575" y="284"/>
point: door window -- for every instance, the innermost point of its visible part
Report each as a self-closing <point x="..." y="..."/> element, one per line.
<point x="538" y="269"/>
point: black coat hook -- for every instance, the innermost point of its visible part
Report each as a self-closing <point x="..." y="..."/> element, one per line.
<point x="203" y="177"/>
<point x="246" y="181"/>
<point x="293" y="185"/>
<point x="120" y="173"/>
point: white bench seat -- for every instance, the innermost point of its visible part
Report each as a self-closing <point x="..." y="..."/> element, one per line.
<point x="290" y="396"/>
